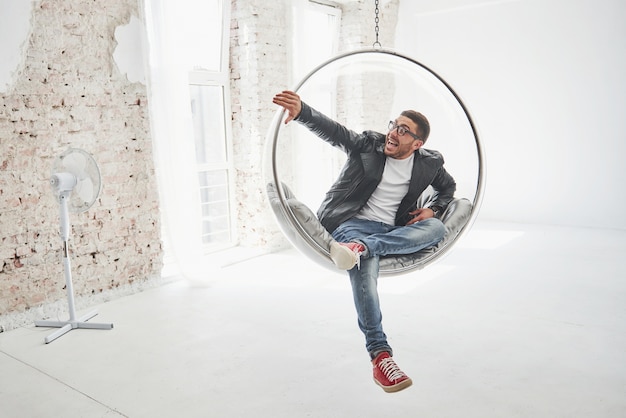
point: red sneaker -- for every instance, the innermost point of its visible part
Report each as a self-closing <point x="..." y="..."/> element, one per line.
<point x="388" y="375"/>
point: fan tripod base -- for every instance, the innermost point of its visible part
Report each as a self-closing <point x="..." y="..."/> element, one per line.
<point x="67" y="326"/>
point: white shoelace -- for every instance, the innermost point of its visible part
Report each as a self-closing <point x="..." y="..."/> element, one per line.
<point x="390" y="369"/>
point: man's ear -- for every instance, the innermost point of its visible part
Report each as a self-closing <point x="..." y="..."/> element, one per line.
<point x="417" y="144"/>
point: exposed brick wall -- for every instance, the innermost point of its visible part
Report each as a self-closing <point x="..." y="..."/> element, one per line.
<point x="67" y="92"/>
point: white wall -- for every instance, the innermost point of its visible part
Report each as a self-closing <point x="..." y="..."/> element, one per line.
<point x="544" y="81"/>
<point x="14" y="29"/>
<point x="131" y="39"/>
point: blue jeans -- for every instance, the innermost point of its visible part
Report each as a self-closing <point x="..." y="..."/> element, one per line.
<point x="381" y="239"/>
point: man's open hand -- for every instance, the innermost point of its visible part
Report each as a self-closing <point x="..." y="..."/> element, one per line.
<point x="420" y="215"/>
<point x="291" y="102"/>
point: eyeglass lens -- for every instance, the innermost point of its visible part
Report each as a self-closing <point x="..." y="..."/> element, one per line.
<point x="401" y="129"/>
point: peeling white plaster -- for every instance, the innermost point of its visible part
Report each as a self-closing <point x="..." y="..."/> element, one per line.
<point x="14" y="29"/>
<point x="129" y="53"/>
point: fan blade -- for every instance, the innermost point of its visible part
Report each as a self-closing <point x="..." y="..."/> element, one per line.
<point x="76" y="163"/>
<point x="85" y="190"/>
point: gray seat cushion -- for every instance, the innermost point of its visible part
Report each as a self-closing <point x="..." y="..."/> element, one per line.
<point x="308" y="235"/>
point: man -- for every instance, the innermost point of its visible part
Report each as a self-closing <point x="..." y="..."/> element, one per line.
<point x="371" y="209"/>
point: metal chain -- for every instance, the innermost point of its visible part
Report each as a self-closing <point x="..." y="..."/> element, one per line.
<point x="376" y="28"/>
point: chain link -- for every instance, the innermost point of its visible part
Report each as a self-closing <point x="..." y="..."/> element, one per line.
<point x="376" y="28"/>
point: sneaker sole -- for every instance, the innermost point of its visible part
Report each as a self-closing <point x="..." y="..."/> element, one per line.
<point x="343" y="257"/>
<point x="397" y="387"/>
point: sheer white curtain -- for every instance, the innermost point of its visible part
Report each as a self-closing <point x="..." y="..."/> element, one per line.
<point x="174" y="49"/>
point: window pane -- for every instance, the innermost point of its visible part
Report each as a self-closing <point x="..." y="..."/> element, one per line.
<point x="207" y="112"/>
<point x="214" y="200"/>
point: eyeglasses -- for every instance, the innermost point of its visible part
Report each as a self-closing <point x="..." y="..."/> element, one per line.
<point x="402" y="130"/>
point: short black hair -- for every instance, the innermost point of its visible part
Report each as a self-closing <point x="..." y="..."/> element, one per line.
<point x="421" y="121"/>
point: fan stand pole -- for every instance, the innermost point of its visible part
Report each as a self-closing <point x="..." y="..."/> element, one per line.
<point x="73" y="322"/>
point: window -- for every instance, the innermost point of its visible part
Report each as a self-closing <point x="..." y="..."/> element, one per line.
<point x="315" y="40"/>
<point x="209" y="100"/>
<point x="190" y="105"/>
<point x="316" y="34"/>
<point x="213" y="164"/>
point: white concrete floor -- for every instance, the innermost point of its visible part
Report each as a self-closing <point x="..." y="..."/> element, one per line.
<point x="517" y="321"/>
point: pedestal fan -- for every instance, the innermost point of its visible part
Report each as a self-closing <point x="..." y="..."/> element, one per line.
<point x="76" y="182"/>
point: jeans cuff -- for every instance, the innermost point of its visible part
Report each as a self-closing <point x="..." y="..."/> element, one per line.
<point x="375" y="353"/>
<point x="365" y="253"/>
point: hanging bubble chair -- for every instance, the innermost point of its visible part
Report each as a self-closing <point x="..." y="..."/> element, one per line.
<point x="364" y="90"/>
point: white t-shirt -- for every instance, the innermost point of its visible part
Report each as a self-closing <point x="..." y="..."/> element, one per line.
<point x="383" y="203"/>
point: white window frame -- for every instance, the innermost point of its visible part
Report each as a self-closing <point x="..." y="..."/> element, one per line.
<point x="221" y="78"/>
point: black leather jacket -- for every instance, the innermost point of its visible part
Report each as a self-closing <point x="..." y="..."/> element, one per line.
<point x="364" y="169"/>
